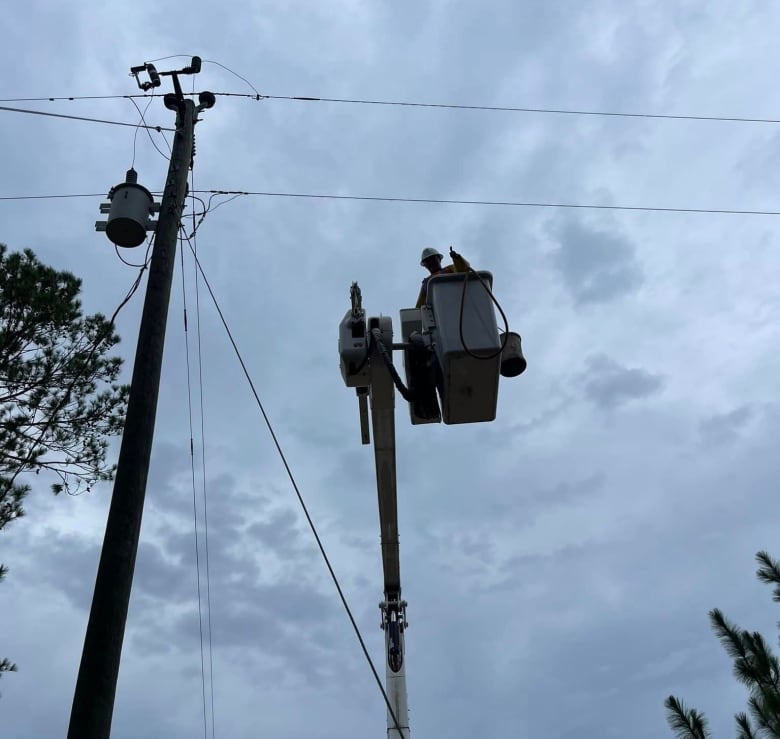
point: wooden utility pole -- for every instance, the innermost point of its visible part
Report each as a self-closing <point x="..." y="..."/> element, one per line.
<point x="93" y="702"/>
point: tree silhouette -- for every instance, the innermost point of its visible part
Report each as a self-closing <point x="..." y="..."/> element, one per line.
<point x="755" y="666"/>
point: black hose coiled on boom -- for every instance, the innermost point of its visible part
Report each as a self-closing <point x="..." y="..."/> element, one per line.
<point x="387" y="358"/>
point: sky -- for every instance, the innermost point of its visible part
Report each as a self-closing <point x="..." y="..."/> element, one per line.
<point x="560" y="561"/>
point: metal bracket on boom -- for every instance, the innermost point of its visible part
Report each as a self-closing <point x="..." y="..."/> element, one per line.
<point x="395" y="606"/>
<point x="362" y="395"/>
<point x="394" y="624"/>
<point x="354" y="349"/>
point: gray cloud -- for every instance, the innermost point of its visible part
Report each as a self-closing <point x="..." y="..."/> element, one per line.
<point x="558" y="568"/>
<point x="610" y="385"/>
<point x="71" y="567"/>
<point x="724" y="428"/>
<point x="596" y="265"/>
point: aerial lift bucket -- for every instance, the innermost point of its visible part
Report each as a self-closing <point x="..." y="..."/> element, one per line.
<point x="461" y="319"/>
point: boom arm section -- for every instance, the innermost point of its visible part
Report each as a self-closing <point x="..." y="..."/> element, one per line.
<point x="364" y="367"/>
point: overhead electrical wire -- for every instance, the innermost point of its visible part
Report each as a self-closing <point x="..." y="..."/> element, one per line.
<point x="235" y="74"/>
<point x="145" y="264"/>
<point x="74" y="97"/>
<point x="207" y="208"/>
<point x="143" y="120"/>
<point x="258" y="96"/>
<point x="434" y="201"/>
<point x="53" y="197"/>
<point x="194" y="243"/>
<point x="81" y="118"/>
<point x="503" y="203"/>
<point x="511" y="109"/>
<point x="205" y="500"/>
<point x="194" y="494"/>
<point x="298" y="494"/>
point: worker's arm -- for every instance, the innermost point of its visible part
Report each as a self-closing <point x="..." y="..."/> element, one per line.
<point x="460" y="264"/>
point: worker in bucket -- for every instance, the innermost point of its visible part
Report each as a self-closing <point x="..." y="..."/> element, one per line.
<point x="431" y="260"/>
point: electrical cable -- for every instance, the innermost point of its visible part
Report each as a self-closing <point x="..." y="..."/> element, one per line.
<point x="124" y="261"/>
<point x="468" y="351"/>
<point x="258" y="96"/>
<point x="387" y="358"/>
<point x="194" y="495"/>
<point x="132" y="291"/>
<point x="146" y="257"/>
<point x="53" y="197"/>
<point x="435" y="201"/>
<point x="503" y="203"/>
<point x="513" y="109"/>
<point x="236" y="74"/>
<point x="202" y="213"/>
<point x="223" y="202"/>
<point x="205" y="502"/>
<point x="202" y="426"/>
<point x="170" y="56"/>
<point x="81" y="118"/>
<point x="207" y="208"/>
<point x="298" y="493"/>
<point x="143" y="120"/>
<point x="74" y="97"/>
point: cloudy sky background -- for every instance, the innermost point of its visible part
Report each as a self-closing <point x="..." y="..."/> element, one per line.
<point x="558" y="563"/>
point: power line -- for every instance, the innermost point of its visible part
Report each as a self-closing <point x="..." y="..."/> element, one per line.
<point x="296" y="489"/>
<point x="235" y="74"/>
<point x="82" y="118"/>
<point x="53" y="197"/>
<point x="74" y="97"/>
<point x="202" y="431"/>
<point x="501" y="203"/>
<point x="194" y="495"/>
<point x="143" y="121"/>
<point x="436" y="201"/>
<point x="410" y="104"/>
<point x="135" y="133"/>
<point x="513" y="109"/>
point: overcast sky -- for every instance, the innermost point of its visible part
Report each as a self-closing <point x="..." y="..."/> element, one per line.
<point x="559" y="562"/>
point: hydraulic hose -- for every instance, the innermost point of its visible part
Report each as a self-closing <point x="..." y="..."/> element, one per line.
<point x="505" y="337"/>
<point x="387" y="358"/>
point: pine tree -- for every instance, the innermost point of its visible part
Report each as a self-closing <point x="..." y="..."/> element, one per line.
<point x="755" y="666"/>
<point x="59" y="396"/>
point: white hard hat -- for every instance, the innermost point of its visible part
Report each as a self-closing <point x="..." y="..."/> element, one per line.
<point x="429" y="252"/>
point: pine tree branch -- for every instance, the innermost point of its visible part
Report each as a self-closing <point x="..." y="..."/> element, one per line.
<point x="686" y="723"/>
<point x="744" y="729"/>
<point x="769" y="573"/>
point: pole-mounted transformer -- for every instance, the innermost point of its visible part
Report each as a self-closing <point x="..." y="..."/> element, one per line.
<point x="129" y="212"/>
